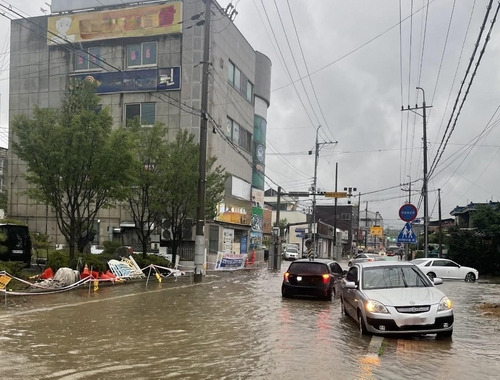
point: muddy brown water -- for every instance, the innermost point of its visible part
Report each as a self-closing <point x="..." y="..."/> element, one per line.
<point x="231" y="326"/>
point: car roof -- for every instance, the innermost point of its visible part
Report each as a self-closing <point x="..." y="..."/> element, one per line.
<point x="322" y="261"/>
<point x="383" y="263"/>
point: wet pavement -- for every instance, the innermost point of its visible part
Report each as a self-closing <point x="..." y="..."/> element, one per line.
<point x="231" y="326"/>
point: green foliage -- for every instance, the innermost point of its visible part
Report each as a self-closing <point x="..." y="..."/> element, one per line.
<point x="58" y="259"/>
<point x="75" y="163"/>
<point x="3" y="200"/>
<point x="151" y="259"/>
<point x="14" y="268"/>
<point x="110" y="247"/>
<point x="145" y="197"/>
<point x="470" y="248"/>
<point x="41" y="241"/>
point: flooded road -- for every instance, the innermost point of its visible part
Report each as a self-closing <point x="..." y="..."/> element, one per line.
<point x="231" y="326"/>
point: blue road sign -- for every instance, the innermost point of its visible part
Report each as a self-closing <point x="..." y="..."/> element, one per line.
<point x="408" y="212"/>
<point x="407" y="235"/>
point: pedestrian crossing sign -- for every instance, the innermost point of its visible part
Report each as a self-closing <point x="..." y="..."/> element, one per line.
<point x="407" y="235"/>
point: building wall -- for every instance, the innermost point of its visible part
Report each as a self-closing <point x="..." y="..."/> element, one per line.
<point x="39" y="76"/>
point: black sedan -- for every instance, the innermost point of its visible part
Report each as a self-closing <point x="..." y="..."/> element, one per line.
<point x="312" y="278"/>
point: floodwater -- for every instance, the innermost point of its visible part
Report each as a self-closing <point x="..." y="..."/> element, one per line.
<point x="231" y="326"/>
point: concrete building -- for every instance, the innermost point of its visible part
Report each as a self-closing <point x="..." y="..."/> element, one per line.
<point x="148" y="58"/>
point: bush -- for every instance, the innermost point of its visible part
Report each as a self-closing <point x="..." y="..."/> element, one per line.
<point x="151" y="259"/>
<point x="58" y="259"/>
<point x="14" y="268"/>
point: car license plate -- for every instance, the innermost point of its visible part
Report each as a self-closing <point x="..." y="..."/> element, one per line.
<point x="415" y="321"/>
<point x="299" y="278"/>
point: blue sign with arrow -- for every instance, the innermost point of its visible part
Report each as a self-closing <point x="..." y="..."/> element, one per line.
<point x="407" y="235"/>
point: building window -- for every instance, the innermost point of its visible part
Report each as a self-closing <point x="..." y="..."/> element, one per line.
<point x="345" y="216"/>
<point x="89" y="59"/>
<point x="238" y="135"/>
<point x="240" y="81"/>
<point x="143" y="54"/>
<point x="144" y="111"/>
<point x="213" y="239"/>
<point x="249" y="91"/>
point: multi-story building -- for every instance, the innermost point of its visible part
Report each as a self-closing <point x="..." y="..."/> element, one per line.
<point x="148" y="59"/>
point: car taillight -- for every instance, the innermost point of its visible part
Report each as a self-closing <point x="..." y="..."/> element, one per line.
<point x="285" y="276"/>
<point x="370" y="259"/>
<point x="326" y="278"/>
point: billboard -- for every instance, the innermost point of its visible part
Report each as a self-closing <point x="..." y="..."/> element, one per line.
<point x="117" y="23"/>
<point x="166" y="79"/>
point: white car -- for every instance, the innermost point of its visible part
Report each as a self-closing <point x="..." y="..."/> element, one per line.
<point x="291" y="252"/>
<point x="395" y="297"/>
<point x="447" y="269"/>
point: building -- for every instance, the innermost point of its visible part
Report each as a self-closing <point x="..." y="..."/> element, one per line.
<point x="147" y="58"/>
<point x="463" y="214"/>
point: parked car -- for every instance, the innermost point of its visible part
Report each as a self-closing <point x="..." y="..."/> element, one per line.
<point x="361" y="257"/>
<point x="312" y="278"/>
<point x="447" y="269"/>
<point x="391" y="297"/>
<point x="291" y="252"/>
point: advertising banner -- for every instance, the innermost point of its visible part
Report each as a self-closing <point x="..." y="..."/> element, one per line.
<point x="117" y="23"/>
<point x="230" y="261"/>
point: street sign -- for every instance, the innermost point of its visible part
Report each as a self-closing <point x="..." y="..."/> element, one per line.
<point x="336" y="194"/>
<point x="376" y="230"/>
<point x="408" y="212"/>
<point x="407" y="235"/>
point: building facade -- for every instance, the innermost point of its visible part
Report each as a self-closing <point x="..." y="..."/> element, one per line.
<point x="148" y="60"/>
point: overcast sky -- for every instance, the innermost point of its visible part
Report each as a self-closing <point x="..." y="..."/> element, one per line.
<point x="343" y="70"/>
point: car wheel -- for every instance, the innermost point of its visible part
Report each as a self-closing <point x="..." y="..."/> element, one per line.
<point x="431" y="275"/>
<point x="470" y="277"/>
<point x="362" y="326"/>
<point x="446" y="334"/>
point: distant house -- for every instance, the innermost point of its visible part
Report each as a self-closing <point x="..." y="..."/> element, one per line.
<point x="445" y="224"/>
<point x="463" y="214"/>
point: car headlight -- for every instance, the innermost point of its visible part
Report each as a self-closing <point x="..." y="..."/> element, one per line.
<point x="375" y="307"/>
<point x="445" y="304"/>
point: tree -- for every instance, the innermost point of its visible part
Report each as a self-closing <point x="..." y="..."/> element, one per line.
<point x="180" y="181"/>
<point x="75" y="162"/>
<point x="144" y="200"/>
<point x="478" y="247"/>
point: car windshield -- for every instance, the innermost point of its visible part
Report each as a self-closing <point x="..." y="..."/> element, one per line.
<point x="307" y="268"/>
<point x="394" y="277"/>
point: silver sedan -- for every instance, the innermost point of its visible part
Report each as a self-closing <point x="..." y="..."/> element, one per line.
<point x="395" y="298"/>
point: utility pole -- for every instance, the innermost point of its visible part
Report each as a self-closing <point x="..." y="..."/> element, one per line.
<point x="335" y="214"/>
<point x="275" y="259"/>
<point x="366" y="226"/>
<point x="315" y="190"/>
<point x="199" y="249"/>
<point x="425" y="185"/>
<point x="440" y="226"/>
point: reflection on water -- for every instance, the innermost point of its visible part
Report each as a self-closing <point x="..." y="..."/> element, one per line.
<point x="230" y="326"/>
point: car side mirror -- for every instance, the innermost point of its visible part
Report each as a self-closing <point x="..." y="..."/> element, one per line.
<point x="437" y="281"/>
<point x="350" y="285"/>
